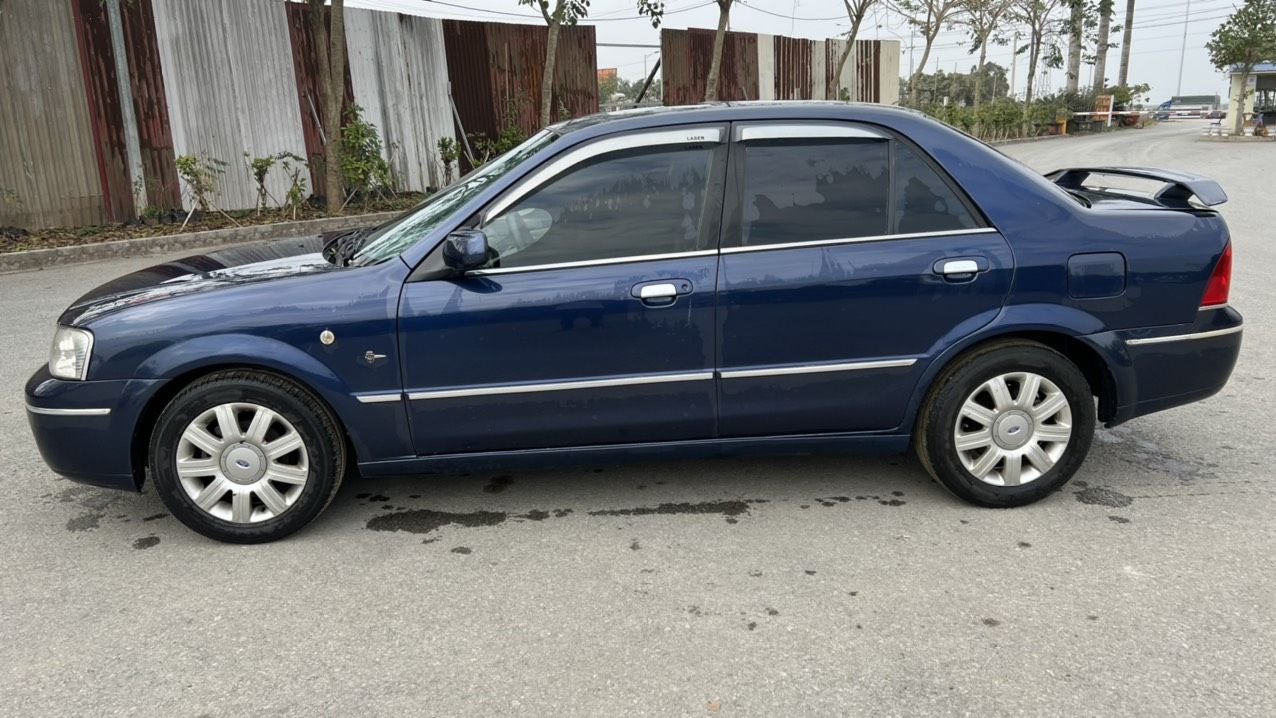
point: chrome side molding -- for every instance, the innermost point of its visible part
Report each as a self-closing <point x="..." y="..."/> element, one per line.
<point x="816" y="368"/>
<point x="67" y="412"/>
<point x="1184" y="337"/>
<point x="497" y="389"/>
<point x="559" y="385"/>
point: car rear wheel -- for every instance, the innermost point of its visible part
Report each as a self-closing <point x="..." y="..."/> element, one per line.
<point x="246" y="457"/>
<point x="1007" y="424"/>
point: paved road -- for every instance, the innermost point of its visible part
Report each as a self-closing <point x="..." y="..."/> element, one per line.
<point x="735" y="587"/>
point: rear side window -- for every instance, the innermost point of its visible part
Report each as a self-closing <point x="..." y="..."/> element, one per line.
<point x="624" y="204"/>
<point x="924" y="202"/>
<point x="803" y="190"/>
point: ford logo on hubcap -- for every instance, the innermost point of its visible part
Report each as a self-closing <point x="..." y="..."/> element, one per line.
<point x="241" y="463"/>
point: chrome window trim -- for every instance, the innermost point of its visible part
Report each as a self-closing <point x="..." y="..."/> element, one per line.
<point x="1184" y="337"/>
<point x="67" y="412"/>
<point x="559" y="385"/>
<point x="857" y="240"/>
<point x="816" y="368"/>
<point x="806" y="131"/>
<point x="379" y="397"/>
<point x="593" y="262"/>
<point x="573" y="157"/>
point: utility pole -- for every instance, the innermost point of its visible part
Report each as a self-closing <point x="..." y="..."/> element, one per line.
<point x="1183" y="50"/>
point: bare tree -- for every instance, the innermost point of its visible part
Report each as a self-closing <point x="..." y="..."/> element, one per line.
<point x="1075" y="30"/>
<point x="1124" y="75"/>
<point x="568" y="13"/>
<point x="928" y="16"/>
<point x="1039" y="17"/>
<point x="719" y="39"/>
<point x="983" y="19"/>
<point x="330" y="51"/>
<point x="1101" y="45"/>
<point x="856" y="10"/>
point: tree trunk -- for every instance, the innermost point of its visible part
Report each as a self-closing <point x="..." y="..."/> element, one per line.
<point x="1034" y="54"/>
<point x="547" y="78"/>
<point x="914" y="83"/>
<point x="1238" y="122"/>
<point x="1124" y="76"/>
<point x="319" y="30"/>
<point x="979" y="70"/>
<point x="846" y="53"/>
<point x="1101" y="46"/>
<point x="332" y="110"/>
<point x="1075" y="22"/>
<point x="719" y="39"/>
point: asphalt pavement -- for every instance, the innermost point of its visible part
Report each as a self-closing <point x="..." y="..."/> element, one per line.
<point x="760" y="587"/>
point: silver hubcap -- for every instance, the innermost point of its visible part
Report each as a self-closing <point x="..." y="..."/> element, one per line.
<point x="242" y="463"/>
<point x="1012" y="429"/>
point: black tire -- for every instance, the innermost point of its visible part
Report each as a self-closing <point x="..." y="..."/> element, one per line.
<point x="934" y="434"/>
<point x="324" y="444"/>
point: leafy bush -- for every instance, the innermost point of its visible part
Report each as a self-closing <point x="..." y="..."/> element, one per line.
<point x="364" y="170"/>
<point x="201" y="177"/>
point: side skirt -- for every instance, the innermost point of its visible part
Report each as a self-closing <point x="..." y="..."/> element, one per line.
<point x="614" y="453"/>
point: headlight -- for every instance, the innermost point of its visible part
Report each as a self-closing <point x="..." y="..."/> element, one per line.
<point x="69" y="357"/>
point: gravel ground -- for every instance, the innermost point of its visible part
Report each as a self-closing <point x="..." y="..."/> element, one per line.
<point x="765" y="587"/>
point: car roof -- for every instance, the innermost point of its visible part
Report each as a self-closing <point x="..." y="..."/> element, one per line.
<point x="640" y="117"/>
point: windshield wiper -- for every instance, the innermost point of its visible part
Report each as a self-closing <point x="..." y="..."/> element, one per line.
<point x="341" y="249"/>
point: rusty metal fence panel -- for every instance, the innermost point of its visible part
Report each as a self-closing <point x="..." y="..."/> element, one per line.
<point x="229" y="78"/>
<point x="399" y="73"/>
<point x="495" y="71"/>
<point x="685" y="59"/>
<point x="48" y="168"/>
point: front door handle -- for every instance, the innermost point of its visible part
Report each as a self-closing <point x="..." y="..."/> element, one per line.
<point x="960" y="266"/>
<point x="661" y="293"/>
<point x="665" y="290"/>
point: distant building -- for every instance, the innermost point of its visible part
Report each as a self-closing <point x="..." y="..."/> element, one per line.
<point x="1262" y="91"/>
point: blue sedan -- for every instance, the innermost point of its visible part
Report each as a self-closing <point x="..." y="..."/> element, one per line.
<point x="725" y="279"/>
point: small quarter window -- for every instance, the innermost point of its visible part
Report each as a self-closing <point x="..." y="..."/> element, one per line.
<point x="804" y="190"/>
<point x="623" y="204"/>
<point x="923" y="200"/>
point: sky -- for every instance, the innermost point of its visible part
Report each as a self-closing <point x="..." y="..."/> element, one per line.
<point x="1155" y="57"/>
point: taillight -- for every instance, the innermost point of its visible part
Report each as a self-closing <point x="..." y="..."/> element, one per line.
<point x="1220" y="280"/>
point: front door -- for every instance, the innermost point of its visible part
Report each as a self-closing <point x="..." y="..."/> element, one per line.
<point x="848" y="261"/>
<point x="593" y="322"/>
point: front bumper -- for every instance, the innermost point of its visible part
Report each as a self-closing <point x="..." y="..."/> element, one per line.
<point x="1164" y="367"/>
<point x="84" y="429"/>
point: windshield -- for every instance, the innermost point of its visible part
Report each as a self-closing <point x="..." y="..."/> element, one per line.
<point x="391" y="239"/>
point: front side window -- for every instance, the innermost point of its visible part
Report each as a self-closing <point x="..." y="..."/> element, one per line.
<point x="623" y="204"/>
<point x="395" y="236"/>
<point x="805" y="189"/>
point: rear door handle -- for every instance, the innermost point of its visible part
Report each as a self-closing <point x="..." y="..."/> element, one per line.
<point x="960" y="269"/>
<point x="661" y="293"/>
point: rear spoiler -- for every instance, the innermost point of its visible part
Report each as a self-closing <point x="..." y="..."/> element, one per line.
<point x="1179" y="186"/>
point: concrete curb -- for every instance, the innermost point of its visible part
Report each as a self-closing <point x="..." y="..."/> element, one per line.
<point x="1023" y="140"/>
<point x="58" y="256"/>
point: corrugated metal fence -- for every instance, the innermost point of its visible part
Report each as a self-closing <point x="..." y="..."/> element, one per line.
<point x="99" y="97"/>
<point x="775" y="67"/>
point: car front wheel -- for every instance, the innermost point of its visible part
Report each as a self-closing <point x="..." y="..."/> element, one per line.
<point x="246" y="457"/>
<point x="1007" y="424"/>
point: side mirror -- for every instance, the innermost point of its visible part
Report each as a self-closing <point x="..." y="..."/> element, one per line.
<point x="465" y="249"/>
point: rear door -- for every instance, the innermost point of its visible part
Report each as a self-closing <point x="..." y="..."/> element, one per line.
<point x="849" y="259"/>
<point x="593" y="323"/>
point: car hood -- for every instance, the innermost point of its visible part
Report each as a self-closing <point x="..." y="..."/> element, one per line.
<point x="262" y="262"/>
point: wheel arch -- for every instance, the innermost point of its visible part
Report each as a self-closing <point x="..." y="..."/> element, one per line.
<point x="308" y="374"/>
<point x="1087" y="357"/>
